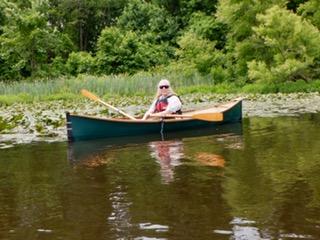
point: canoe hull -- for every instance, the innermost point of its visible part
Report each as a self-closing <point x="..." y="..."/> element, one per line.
<point x="84" y="128"/>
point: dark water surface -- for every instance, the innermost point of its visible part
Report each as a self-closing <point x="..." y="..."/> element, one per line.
<point x="259" y="180"/>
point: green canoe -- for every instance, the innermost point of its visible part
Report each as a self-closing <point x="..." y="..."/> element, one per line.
<point x="85" y="127"/>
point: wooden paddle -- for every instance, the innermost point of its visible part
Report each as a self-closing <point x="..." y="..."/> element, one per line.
<point x="93" y="97"/>
<point x="205" y="116"/>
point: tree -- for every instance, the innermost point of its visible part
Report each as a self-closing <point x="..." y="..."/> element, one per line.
<point x="188" y="7"/>
<point x="294" y="4"/>
<point x="182" y="10"/>
<point x="125" y="52"/>
<point x="80" y="62"/>
<point x="289" y="46"/>
<point x="203" y="56"/>
<point x="2" y="15"/>
<point x="82" y="20"/>
<point x="172" y="6"/>
<point x="148" y="18"/>
<point x="22" y="4"/>
<point x="208" y="27"/>
<point x="311" y="11"/>
<point x="28" y="44"/>
<point x="240" y="17"/>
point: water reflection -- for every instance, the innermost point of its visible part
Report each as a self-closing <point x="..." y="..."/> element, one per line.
<point x="274" y="180"/>
<point x="263" y="184"/>
<point x="119" y="218"/>
<point x="210" y="159"/>
<point x="140" y="196"/>
<point x="168" y="155"/>
<point x="82" y="150"/>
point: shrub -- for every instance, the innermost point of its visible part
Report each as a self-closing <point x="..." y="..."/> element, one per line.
<point x="202" y="54"/>
<point x="289" y="46"/>
<point x="124" y="51"/>
<point x="80" y="62"/>
<point x="209" y="28"/>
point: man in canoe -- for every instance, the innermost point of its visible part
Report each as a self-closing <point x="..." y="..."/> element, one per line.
<point x="165" y="102"/>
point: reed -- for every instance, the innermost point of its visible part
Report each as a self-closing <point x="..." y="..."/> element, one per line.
<point x="184" y="81"/>
<point x="139" y="84"/>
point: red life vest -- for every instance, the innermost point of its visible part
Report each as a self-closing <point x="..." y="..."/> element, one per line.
<point x="162" y="104"/>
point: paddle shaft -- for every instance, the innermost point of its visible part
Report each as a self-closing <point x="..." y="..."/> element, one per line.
<point x="116" y="109"/>
<point x="93" y="97"/>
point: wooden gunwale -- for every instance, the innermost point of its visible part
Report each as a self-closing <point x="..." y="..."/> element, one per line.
<point x="224" y="107"/>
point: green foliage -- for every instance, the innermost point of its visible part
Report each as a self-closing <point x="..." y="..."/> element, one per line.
<point x="2" y="14"/>
<point x="294" y="4"/>
<point x="188" y="7"/>
<point x="285" y="87"/>
<point x="124" y="51"/>
<point x="57" y="67"/>
<point x="183" y="9"/>
<point x="292" y="42"/>
<point x="210" y="41"/>
<point x="206" y="6"/>
<point x="221" y="88"/>
<point x="183" y="78"/>
<point x="202" y="54"/>
<point x="240" y="17"/>
<point x="82" y="20"/>
<point x="142" y="18"/>
<point x="299" y="86"/>
<point x="28" y="44"/>
<point x="208" y="27"/>
<point x="260" y="88"/>
<point x="80" y="62"/>
<point x="22" y="4"/>
<point x="311" y="11"/>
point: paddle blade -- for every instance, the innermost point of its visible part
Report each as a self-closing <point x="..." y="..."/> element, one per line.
<point x="89" y="95"/>
<point x="209" y="116"/>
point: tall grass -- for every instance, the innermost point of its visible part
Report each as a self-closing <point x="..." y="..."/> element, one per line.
<point x="142" y="83"/>
<point x="184" y="81"/>
<point x="286" y="87"/>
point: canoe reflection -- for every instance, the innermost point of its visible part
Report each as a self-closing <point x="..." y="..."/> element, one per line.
<point x="168" y="155"/>
<point x="82" y="150"/>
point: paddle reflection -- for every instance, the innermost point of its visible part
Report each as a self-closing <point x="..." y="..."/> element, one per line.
<point x="95" y="160"/>
<point x="168" y="155"/>
<point x="210" y="159"/>
<point x="89" y="155"/>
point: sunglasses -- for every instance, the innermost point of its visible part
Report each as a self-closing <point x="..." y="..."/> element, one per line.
<point x="164" y="86"/>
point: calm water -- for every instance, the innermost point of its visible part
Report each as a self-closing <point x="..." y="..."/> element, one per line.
<point x="258" y="180"/>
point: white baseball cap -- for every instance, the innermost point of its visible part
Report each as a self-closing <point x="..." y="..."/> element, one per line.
<point x="164" y="82"/>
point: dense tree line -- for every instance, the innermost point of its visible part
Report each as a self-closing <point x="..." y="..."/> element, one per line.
<point x="229" y="40"/>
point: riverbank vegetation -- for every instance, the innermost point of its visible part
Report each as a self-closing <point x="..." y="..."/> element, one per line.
<point x="138" y="85"/>
<point x="51" y="49"/>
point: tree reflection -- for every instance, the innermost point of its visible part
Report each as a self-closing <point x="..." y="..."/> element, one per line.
<point x="274" y="179"/>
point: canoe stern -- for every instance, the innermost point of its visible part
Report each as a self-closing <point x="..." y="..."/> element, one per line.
<point x="69" y="128"/>
<point x="233" y="114"/>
